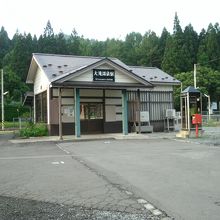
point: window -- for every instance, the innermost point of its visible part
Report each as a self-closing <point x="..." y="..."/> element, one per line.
<point x="41" y="107"/>
<point x="91" y="111"/>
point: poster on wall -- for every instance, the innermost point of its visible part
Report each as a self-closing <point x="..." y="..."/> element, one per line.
<point x="68" y="111"/>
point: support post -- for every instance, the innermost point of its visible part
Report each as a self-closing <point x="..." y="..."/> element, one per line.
<point x="60" y="114"/>
<point x="197" y="130"/>
<point x="125" y="112"/>
<point x="195" y="76"/>
<point x="2" y="96"/>
<point x="209" y="107"/>
<point x="188" y="113"/>
<point x="34" y="116"/>
<point x="139" y="111"/>
<point x="77" y="112"/>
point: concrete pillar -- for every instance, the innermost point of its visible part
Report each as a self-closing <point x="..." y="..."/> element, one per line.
<point x="77" y="112"/>
<point x="60" y="114"/>
<point x="124" y="112"/>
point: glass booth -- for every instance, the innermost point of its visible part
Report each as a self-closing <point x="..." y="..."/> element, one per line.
<point x="191" y="103"/>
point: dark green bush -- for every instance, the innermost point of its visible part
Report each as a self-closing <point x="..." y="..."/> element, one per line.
<point x="34" y="130"/>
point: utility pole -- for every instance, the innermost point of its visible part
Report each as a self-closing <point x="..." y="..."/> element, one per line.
<point x="2" y="96"/>
<point x="195" y="76"/>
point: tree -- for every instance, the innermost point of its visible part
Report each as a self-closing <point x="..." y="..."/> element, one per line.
<point x="130" y="48"/>
<point x="177" y="30"/>
<point x="14" y="85"/>
<point x="61" y="44"/>
<point x="162" y="43"/>
<point x="149" y="50"/>
<point x="176" y="56"/>
<point x="85" y="47"/>
<point x="4" y="44"/>
<point x="16" y="63"/>
<point x="191" y="44"/>
<point x="114" y="48"/>
<point x="208" y="82"/>
<point x="209" y="48"/>
<point x="19" y="57"/>
<point x="73" y="43"/>
<point x="48" y="30"/>
<point x="47" y="41"/>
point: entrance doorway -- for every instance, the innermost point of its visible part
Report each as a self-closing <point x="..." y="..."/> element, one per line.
<point x="91" y="118"/>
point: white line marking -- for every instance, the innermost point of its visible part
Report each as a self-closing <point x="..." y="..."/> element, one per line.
<point x="33" y="157"/>
<point x="142" y="201"/>
<point x="62" y="162"/>
<point x="62" y="149"/>
<point x="157" y="212"/>
<point x="149" y="206"/>
<point x="128" y="193"/>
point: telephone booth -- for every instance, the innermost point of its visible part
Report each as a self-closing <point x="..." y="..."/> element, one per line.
<point x="191" y="104"/>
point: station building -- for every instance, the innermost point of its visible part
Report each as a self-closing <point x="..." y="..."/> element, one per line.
<point x="86" y="95"/>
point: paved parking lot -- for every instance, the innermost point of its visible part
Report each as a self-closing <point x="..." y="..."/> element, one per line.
<point x="109" y="179"/>
<point x="41" y="181"/>
<point x="181" y="178"/>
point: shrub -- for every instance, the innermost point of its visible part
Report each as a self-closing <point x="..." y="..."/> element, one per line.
<point x="34" y="130"/>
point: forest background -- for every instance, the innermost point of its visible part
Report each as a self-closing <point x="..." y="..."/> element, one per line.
<point x="175" y="53"/>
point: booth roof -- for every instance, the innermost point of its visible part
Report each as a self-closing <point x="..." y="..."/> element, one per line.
<point x="190" y="89"/>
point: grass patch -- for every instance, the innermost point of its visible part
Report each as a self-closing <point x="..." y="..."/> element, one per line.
<point x="211" y="123"/>
<point x="14" y="125"/>
<point x="34" y="130"/>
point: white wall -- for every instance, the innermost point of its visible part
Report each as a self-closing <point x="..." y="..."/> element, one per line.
<point x="41" y="82"/>
<point x="120" y="77"/>
<point x="163" y="88"/>
<point x="113" y="102"/>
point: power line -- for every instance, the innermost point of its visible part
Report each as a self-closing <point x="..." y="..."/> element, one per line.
<point x="208" y="61"/>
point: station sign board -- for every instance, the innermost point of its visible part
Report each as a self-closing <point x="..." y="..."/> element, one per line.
<point x="104" y="75"/>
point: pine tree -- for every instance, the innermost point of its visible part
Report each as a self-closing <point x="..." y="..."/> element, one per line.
<point x="130" y="48"/>
<point x="4" y="44"/>
<point x="176" y="56"/>
<point x="73" y="43"/>
<point x="48" y="30"/>
<point x="149" y="50"/>
<point x="47" y="41"/>
<point x="191" y="44"/>
<point x="209" y="47"/>
<point x="162" y="43"/>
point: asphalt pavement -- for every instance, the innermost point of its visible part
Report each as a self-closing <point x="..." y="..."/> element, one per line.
<point x="153" y="176"/>
<point x="181" y="178"/>
<point x="42" y="181"/>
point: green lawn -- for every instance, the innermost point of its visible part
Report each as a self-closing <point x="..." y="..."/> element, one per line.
<point x="14" y="125"/>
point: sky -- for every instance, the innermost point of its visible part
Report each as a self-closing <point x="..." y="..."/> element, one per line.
<point x="102" y="19"/>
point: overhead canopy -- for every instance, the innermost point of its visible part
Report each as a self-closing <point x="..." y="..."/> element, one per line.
<point x="28" y="99"/>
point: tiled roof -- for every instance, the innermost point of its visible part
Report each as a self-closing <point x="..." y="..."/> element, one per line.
<point x="57" y="66"/>
<point x="154" y="75"/>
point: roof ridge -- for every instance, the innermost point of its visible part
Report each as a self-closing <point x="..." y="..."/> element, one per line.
<point x="145" y="67"/>
<point x="72" y="55"/>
